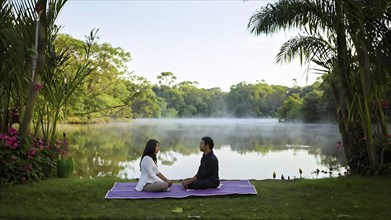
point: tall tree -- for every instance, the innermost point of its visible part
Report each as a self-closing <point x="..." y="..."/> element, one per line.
<point x="32" y="20"/>
<point x="337" y="36"/>
<point x="17" y="28"/>
<point x="37" y="67"/>
<point x="105" y="92"/>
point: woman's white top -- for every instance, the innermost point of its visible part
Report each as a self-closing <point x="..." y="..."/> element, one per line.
<point x="148" y="173"/>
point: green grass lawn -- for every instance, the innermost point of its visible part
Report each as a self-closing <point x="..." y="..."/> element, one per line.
<point x="336" y="198"/>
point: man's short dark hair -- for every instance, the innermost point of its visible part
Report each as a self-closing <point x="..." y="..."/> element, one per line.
<point x="208" y="141"/>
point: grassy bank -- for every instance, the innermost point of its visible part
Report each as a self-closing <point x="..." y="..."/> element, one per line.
<point x="344" y="197"/>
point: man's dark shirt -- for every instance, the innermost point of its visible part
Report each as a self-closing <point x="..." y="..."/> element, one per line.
<point x="209" y="168"/>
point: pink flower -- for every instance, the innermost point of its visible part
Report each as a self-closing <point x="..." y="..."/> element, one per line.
<point x="32" y="152"/>
<point x="13" y="157"/>
<point x="23" y="179"/>
<point x="12" y="131"/>
<point x="11" y="142"/>
<point x="38" y="86"/>
<point x="61" y="152"/>
<point x="58" y="144"/>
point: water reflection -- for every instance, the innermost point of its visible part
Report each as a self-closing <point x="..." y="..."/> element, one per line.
<point x="246" y="148"/>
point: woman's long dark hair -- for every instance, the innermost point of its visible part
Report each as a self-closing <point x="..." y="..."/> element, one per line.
<point x="149" y="150"/>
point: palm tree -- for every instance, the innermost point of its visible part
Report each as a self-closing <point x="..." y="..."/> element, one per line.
<point x="23" y="67"/>
<point x="17" y="36"/>
<point x="20" y="19"/>
<point x="28" y="26"/>
<point x="337" y="36"/>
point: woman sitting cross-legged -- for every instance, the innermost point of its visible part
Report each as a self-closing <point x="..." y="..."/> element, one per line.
<point x="151" y="179"/>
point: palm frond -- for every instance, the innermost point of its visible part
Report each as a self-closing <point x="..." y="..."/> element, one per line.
<point x="310" y="15"/>
<point x="307" y="48"/>
<point x="54" y="9"/>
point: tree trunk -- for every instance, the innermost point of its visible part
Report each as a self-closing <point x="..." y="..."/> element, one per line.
<point x="341" y="88"/>
<point x="34" y="86"/>
<point x="361" y="43"/>
<point x="365" y="89"/>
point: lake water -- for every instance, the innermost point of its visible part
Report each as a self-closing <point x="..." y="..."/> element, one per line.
<point x="246" y="148"/>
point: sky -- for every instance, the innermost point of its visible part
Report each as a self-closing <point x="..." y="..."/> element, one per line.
<point x="203" y="41"/>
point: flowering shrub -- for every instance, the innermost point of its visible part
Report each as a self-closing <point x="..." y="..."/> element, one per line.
<point x="28" y="158"/>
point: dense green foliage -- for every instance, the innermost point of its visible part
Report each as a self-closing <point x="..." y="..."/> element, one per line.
<point x="350" y="41"/>
<point x="31" y="158"/>
<point x="111" y="92"/>
<point x="119" y="95"/>
<point x="32" y="72"/>
<point x="353" y="197"/>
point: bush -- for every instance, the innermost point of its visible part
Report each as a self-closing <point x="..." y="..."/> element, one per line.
<point x="28" y="158"/>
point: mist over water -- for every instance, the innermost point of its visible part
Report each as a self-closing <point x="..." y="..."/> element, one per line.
<point x="246" y="148"/>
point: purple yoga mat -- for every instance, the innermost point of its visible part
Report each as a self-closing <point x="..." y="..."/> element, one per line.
<point x="126" y="190"/>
